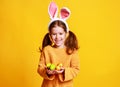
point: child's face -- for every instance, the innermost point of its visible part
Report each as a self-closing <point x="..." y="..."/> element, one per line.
<point x="58" y="36"/>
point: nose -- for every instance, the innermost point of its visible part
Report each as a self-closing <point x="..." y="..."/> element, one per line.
<point x="57" y="36"/>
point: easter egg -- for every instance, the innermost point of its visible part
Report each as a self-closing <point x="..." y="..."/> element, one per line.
<point x="48" y="65"/>
<point x="52" y="67"/>
<point x="58" y="67"/>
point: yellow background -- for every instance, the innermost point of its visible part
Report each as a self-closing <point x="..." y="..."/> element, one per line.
<point x="23" y="23"/>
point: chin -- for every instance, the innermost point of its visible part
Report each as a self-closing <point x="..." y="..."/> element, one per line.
<point x="59" y="45"/>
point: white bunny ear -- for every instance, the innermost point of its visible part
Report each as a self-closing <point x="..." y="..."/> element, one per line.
<point x="64" y="13"/>
<point x="52" y="10"/>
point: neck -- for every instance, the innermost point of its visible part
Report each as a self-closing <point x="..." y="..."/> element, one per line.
<point x="62" y="46"/>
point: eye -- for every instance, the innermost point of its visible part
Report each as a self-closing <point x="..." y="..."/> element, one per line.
<point x="61" y="33"/>
<point x="53" y="34"/>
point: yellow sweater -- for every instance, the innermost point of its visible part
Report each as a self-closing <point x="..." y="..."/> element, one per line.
<point x="56" y="56"/>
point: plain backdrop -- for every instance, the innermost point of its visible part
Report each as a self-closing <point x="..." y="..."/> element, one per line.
<point x="96" y="23"/>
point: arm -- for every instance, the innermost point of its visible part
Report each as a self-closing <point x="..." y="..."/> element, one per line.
<point x="73" y="70"/>
<point x="42" y="68"/>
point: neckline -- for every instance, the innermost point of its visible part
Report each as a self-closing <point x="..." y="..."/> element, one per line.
<point x="57" y="48"/>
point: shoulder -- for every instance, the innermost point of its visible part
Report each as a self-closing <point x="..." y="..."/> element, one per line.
<point x="47" y="48"/>
<point x="75" y="52"/>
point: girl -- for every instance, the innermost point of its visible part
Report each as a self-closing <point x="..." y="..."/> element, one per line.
<point x="60" y="46"/>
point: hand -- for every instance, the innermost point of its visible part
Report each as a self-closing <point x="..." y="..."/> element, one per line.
<point x="60" y="71"/>
<point x="50" y="72"/>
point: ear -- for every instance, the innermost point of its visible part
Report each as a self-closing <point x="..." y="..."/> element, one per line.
<point x="52" y="10"/>
<point x="64" y="13"/>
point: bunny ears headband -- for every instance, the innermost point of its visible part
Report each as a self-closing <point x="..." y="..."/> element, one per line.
<point x="53" y="11"/>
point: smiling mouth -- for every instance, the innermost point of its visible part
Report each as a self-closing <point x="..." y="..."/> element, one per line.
<point x="57" y="41"/>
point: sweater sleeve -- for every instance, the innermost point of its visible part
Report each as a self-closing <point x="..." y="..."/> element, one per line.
<point x="42" y="68"/>
<point x="73" y="70"/>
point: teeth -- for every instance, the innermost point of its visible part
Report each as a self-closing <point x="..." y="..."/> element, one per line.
<point x="58" y="40"/>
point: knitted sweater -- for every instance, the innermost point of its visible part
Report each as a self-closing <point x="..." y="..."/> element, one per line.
<point x="58" y="55"/>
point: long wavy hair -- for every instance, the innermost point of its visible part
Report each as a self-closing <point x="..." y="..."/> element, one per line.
<point x="71" y="41"/>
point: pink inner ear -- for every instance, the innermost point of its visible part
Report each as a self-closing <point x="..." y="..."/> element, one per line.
<point x="64" y="13"/>
<point x="52" y="9"/>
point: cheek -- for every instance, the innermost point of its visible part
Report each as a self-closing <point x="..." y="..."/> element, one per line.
<point x="52" y="37"/>
<point x="64" y="36"/>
